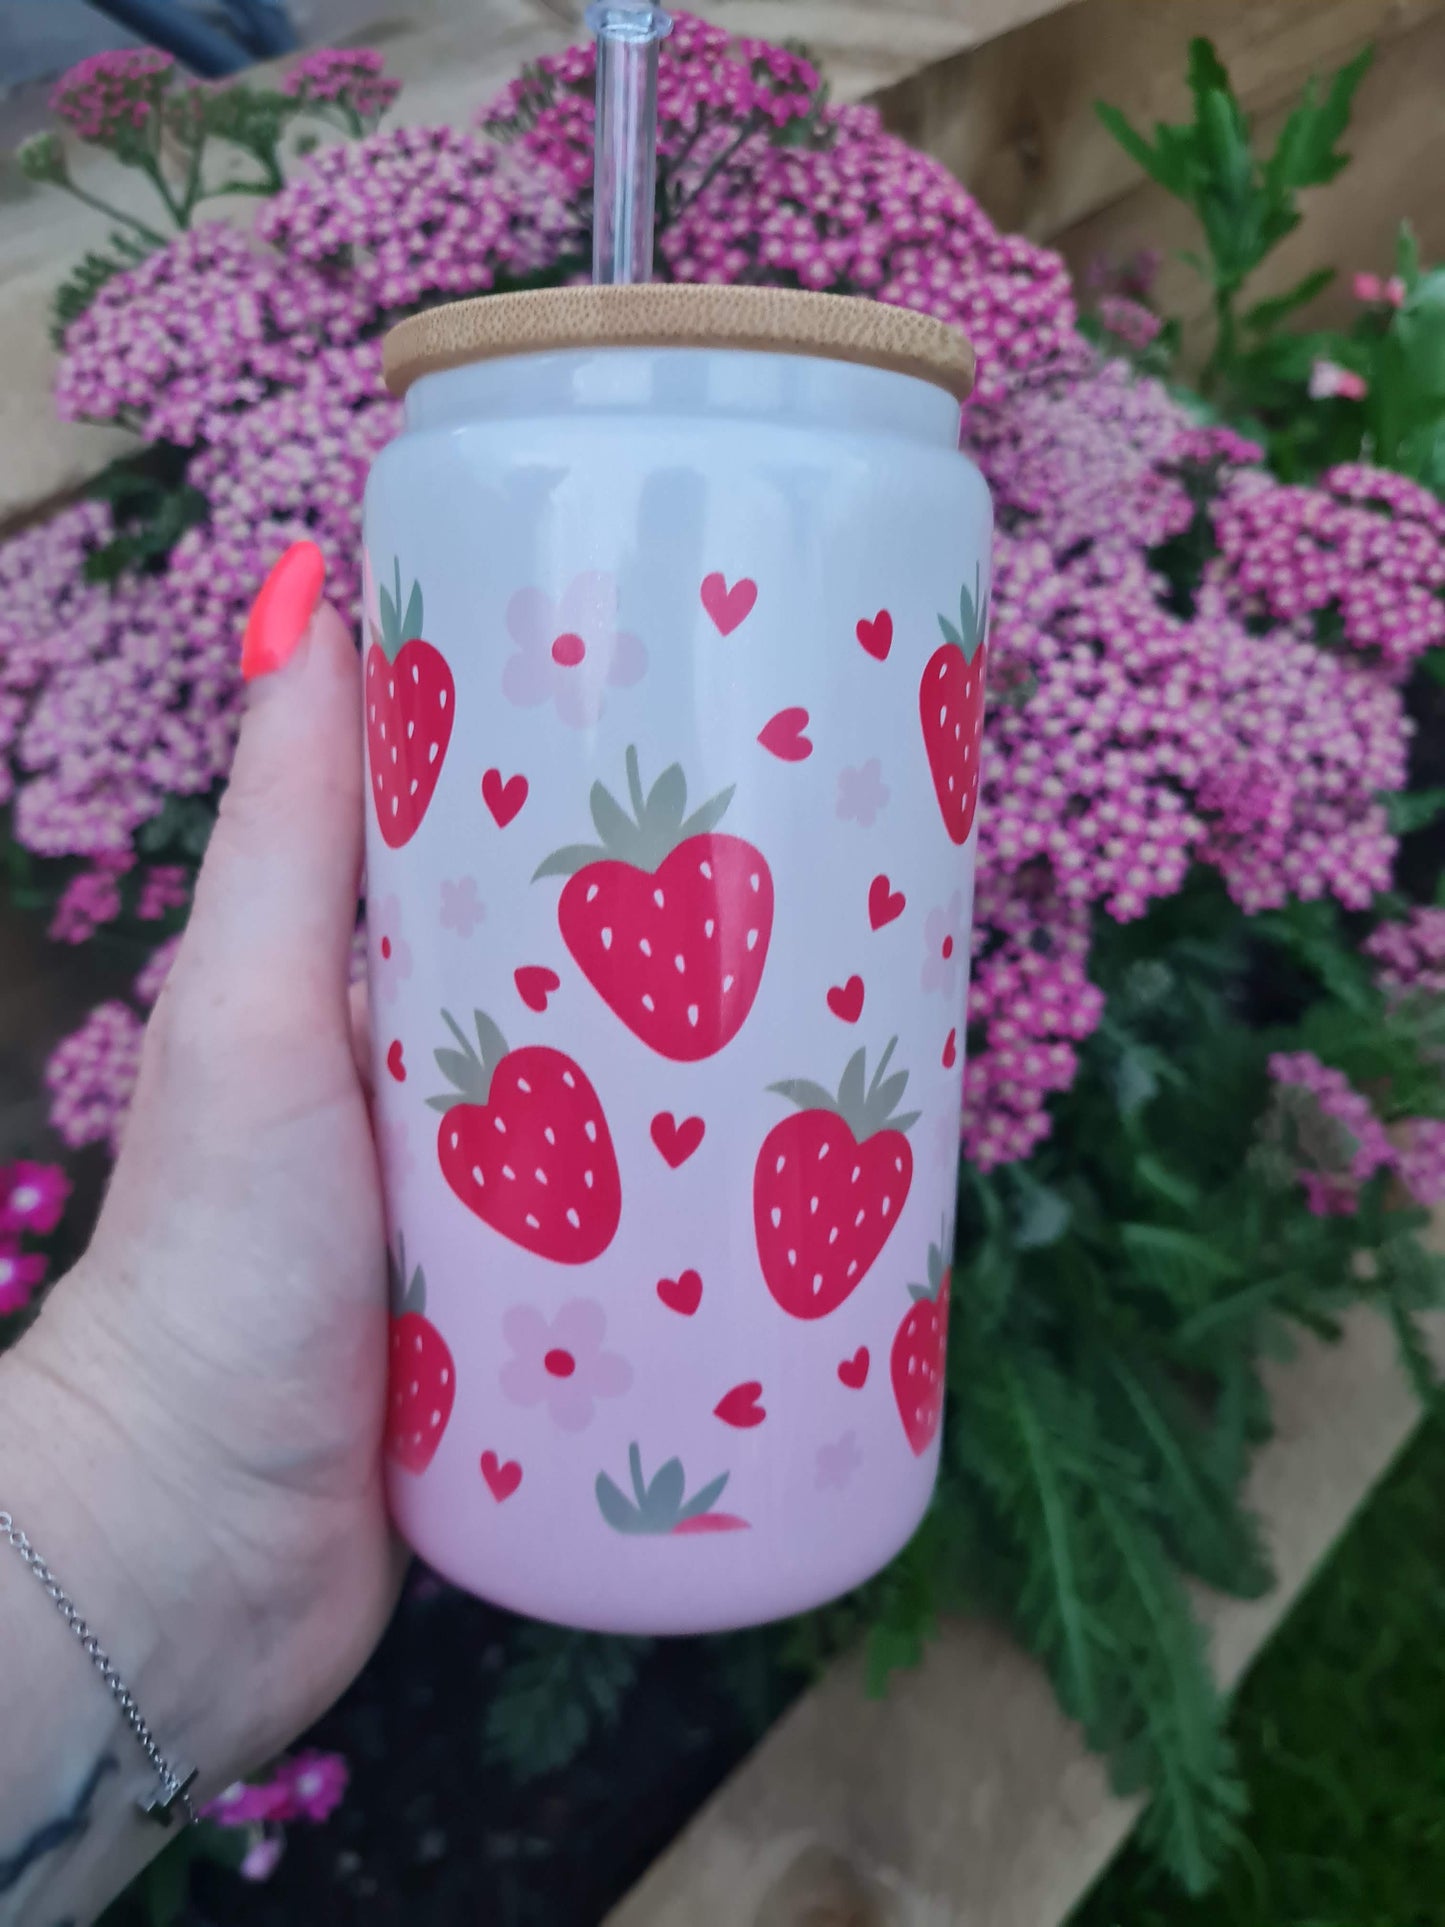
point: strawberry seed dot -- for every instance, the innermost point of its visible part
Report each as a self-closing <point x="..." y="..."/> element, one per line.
<point x="644" y="946"/>
<point x="508" y="1172"/>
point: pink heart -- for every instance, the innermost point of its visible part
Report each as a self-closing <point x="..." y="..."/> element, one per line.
<point x="846" y="1000"/>
<point x="502" y="1478"/>
<point x="783" y="736"/>
<point x="683" y="1294"/>
<point x="535" y="984"/>
<point x="884" y="907"/>
<point x="950" y="1051"/>
<point x="854" y="1371"/>
<point x="876" y="636"/>
<point x="675" y="1141"/>
<point x="740" y="1406"/>
<point x="394" y="1061"/>
<point x="504" y="800"/>
<point x="728" y="606"/>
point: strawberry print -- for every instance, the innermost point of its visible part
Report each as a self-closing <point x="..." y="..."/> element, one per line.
<point x="660" y="1506"/>
<point x="919" y="1347"/>
<point x="830" y="1184"/>
<point x="668" y="919"/>
<point x="410" y="704"/>
<point x="950" y="706"/>
<point x="423" y="1380"/>
<point x="524" y="1144"/>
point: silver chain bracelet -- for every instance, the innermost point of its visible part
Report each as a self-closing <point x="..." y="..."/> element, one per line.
<point x="174" y="1794"/>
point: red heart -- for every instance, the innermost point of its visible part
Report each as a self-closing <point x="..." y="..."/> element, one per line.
<point x="682" y="1294"/>
<point x="728" y="606"/>
<point x="783" y="736"/>
<point x="854" y="1371"/>
<point x="740" y="1406"/>
<point x="877" y="636"/>
<point x="677" y="1142"/>
<point x="535" y="984"/>
<point x="504" y="800"/>
<point x="846" y="1000"/>
<point x="502" y="1478"/>
<point x="883" y="907"/>
<point x="394" y="1063"/>
<point x="950" y="1051"/>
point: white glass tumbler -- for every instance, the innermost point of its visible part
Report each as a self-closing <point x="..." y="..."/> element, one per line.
<point x="674" y="667"/>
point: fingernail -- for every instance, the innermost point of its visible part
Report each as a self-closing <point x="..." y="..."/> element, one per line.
<point x="282" y="611"/>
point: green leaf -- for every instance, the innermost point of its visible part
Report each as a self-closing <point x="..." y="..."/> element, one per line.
<point x="1409" y="810"/>
<point x="1305" y="154"/>
<point x="1168" y="168"/>
<point x="411" y="622"/>
<point x="615" y="827"/>
<point x="665" y="1494"/>
<point x="708" y="816"/>
<point x="1407" y="256"/>
<point x="852" y="1091"/>
<point x="567" y="862"/>
<point x="667" y="802"/>
<point x="616" y="1509"/>
<point x="1043" y="1215"/>
<point x="1266" y="315"/>
<point x="704" y="1500"/>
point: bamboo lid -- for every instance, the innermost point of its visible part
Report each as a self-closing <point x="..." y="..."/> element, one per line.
<point x="832" y="327"/>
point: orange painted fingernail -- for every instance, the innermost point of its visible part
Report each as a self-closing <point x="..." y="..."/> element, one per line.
<point x="283" y="609"/>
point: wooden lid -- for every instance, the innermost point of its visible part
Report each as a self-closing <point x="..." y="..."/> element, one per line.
<point x="833" y="327"/>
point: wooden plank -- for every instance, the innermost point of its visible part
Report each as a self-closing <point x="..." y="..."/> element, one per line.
<point x="964" y="1798"/>
<point x="1398" y="143"/>
<point x="1015" y="119"/>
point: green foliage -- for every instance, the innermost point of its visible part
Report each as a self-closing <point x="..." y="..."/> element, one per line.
<point x="152" y="505"/>
<point x="89" y="275"/>
<point x="561" y="1691"/>
<point x="1340" y="1731"/>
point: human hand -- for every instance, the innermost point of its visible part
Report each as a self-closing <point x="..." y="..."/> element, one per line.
<point x="209" y="1383"/>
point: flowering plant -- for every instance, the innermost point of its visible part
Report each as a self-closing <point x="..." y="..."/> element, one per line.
<point x="1199" y="740"/>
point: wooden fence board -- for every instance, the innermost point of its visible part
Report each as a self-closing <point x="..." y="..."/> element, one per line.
<point x="964" y="1798"/>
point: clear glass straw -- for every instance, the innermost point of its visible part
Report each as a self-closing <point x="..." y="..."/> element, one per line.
<point x="625" y="180"/>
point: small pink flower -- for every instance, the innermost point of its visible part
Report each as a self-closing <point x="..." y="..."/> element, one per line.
<point x="862" y="793"/>
<point x="316" y="1783"/>
<point x="32" y="1197"/>
<point x="462" y="908"/>
<point x="1370" y="288"/>
<point x="568" y="650"/>
<point x="20" y="1272"/>
<point x="837" y="1462"/>
<point x="245" y="1805"/>
<point x="263" y="1856"/>
<point x="560" y="1362"/>
<point x="390" y="952"/>
<point x="1328" y="381"/>
<point x="945" y="946"/>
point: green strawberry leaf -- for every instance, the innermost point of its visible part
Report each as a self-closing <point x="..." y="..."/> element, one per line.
<point x="886" y="1098"/>
<point x="566" y="863"/>
<point x="704" y="1501"/>
<point x="950" y="634"/>
<point x="489" y="1036"/>
<point x="667" y="802"/>
<point x="807" y="1095"/>
<point x="708" y="816"/>
<point x="852" y="1092"/>
<point x="411" y="622"/>
<point x="666" y="1493"/>
<point x="463" y="1073"/>
<point x="615" y="827"/>
<point x="619" y="1513"/>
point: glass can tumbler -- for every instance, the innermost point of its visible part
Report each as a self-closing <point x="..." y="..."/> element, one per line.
<point x="674" y="653"/>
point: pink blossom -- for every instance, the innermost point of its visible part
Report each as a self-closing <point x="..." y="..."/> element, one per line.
<point x="87" y="901"/>
<point x="391" y="960"/>
<point x="567" y="651"/>
<point x="945" y="947"/>
<point x="245" y="1805"/>
<point x="113" y="94"/>
<point x="262" y="1857"/>
<point x="1420" y="1160"/>
<point x="1328" y="380"/>
<point x="462" y="908"/>
<point x="91" y="1075"/>
<point x="1370" y="288"/>
<point x="32" y="1198"/>
<point x="20" y="1273"/>
<point x="1334" y="1133"/>
<point x="164" y="887"/>
<point x="316" y="1784"/>
<point x="862" y="793"/>
<point x="353" y="79"/>
<point x="561" y="1362"/>
<point x="151" y="980"/>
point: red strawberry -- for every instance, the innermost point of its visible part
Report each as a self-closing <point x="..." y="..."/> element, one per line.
<point x="660" y="1507"/>
<point x="423" y="1379"/>
<point x="526" y="1146"/>
<point x="410" y="704"/>
<point x="950" y="705"/>
<point x="668" y="920"/>
<point x="918" y="1354"/>
<point x="830" y="1184"/>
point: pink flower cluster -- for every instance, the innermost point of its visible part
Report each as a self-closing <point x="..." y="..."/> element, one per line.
<point x="309" y="1787"/>
<point x="1127" y="738"/>
<point x="1366" y="548"/>
<point x="113" y="92"/>
<point x="208" y="325"/>
<point x="1129" y="321"/>
<point x="1336" y="1135"/>
<point x="32" y="1200"/>
<point x="91" y="1076"/>
<point x="352" y="79"/>
<point x="1409" y="955"/>
<point x="87" y="901"/>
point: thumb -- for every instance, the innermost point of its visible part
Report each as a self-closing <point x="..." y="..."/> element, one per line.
<point x="275" y="905"/>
